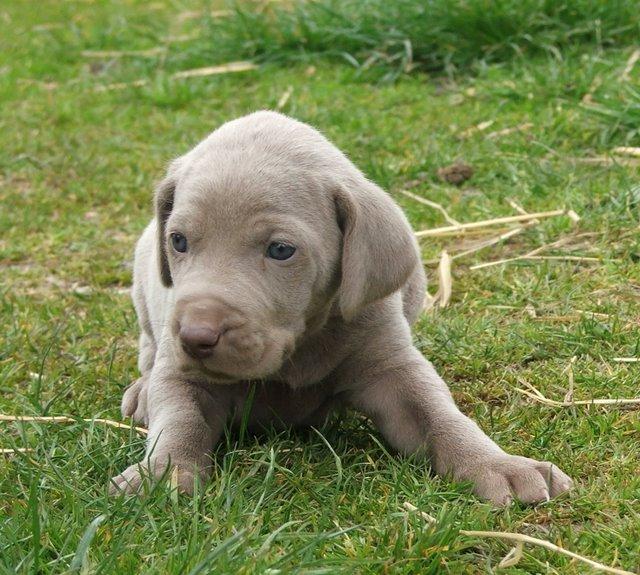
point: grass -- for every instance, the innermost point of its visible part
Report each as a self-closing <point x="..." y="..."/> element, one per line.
<point x="77" y="168"/>
<point x="620" y="114"/>
<point x="428" y="35"/>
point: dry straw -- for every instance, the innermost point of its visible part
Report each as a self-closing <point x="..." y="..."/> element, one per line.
<point x="514" y="556"/>
<point x="149" y="53"/>
<point x="458" y="229"/>
<point x="230" y="67"/>
<point x="431" y="204"/>
<point x="631" y="62"/>
<point x="508" y="131"/>
<point x="481" y="127"/>
<point x="445" y="285"/>
<point x="568" y="401"/>
<point x="284" y="99"/>
<point x="631" y="151"/>
<point x="67" y="419"/>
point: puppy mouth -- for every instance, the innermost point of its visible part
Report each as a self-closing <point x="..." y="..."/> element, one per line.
<point x="218" y="376"/>
<point x="233" y="366"/>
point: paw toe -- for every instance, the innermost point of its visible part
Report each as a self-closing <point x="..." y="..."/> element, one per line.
<point x="129" y="481"/>
<point x="130" y="399"/>
<point x="557" y="481"/>
<point x="511" y="477"/>
<point x="494" y="488"/>
<point x="529" y="486"/>
<point x="134" y="401"/>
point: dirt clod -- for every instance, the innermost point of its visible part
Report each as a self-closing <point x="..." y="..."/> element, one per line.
<point x="456" y="173"/>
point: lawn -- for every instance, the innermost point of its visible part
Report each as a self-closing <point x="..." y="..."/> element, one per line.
<point x="77" y="168"/>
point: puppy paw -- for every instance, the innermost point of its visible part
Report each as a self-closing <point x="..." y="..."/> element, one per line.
<point x="507" y="477"/>
<point x="133" y="479"/>
<point x="130" y="480"/>
<point x="134" y="400"/>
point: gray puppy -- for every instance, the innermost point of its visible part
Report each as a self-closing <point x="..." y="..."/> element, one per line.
<point x="275" y="269"/>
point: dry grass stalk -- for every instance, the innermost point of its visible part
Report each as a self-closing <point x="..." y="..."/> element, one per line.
<point x="607" y="161"/>
<point x="66" y="419"/>
<point x="284" y="99"/>
<point x="48" y="86"/>
<point x="568" y="397"/>
<point x="445" y="285"/>
<point x="469" y="234"/>
<point x="428" y="518"/>
<point x="578" y="313"/>
<point x="535" y="394"/>
<point x="513" y="557"/>
<point x="431" y="204"/>
<point x="241" y="66"/>
<point x="495" y="240"/>
<point x="508" y="131"/>
<point x="631" y="151"/>
<point x="9" y="451"/>
<point x="564" y="258"/>
<point x="631" y="62"/>
<point x="626" y="359"/>
<point x="481" y="127"/>
<point x="557" y="244"/>
<point x="180" y="38"/>
<point x="150" y="53"/>
<point x="445" y="280"/>
<point x="503" y="236"/>
<point x="462" y="228"/>
<point x="573" y="216"/>
<point x="533" y="254"/>
<point x="516" y="206"/>
<point x="588" y="97"/>
<point x="121" y="85"/>
<point x="521" y="539"/>
<point x="593" y="314"/>
<point x="46" y="27"/>
<point x="194" y="14"/>
<point x="567" y="317"/>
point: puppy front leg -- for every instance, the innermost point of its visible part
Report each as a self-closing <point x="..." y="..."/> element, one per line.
<point x="185" y="422"/>
<point x="414" y="409"/>
<point x="134" y="400"/>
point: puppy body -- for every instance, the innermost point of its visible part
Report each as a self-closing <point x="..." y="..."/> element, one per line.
<point x="328" y="326"/>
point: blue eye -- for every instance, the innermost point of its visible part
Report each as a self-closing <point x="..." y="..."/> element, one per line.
<point x="280" y="251"/>
<point x="179" y="242"/>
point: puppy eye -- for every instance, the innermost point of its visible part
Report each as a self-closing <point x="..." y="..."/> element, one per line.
<point x="280" y="251"/>
<point x="179" y="242"/>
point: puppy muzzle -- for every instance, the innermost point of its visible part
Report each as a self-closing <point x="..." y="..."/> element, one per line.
<point x="224" y="344"/>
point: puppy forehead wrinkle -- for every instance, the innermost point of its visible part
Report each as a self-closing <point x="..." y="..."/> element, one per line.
<point x="233" y="196"/>
<point x="201" y="220"/>
<point x="268" y="130"/>
<point x="266" y="139"/>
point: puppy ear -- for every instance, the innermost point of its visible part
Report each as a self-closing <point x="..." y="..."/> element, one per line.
<point x="379" y="250"/>
<point x="164" y="204"/>
<point x="164" y="196"/>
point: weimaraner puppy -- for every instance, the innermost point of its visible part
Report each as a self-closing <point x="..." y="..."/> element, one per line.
<point x="274" y="270"/>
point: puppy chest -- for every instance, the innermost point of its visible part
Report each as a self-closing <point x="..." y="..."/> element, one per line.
<point x="276" y="404"/>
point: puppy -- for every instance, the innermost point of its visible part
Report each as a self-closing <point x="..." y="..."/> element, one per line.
<point x="275" y="272"/>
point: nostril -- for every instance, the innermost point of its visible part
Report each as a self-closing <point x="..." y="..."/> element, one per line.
<point x="198" y="341"/>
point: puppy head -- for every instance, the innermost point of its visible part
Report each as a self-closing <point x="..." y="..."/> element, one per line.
<point x="265" y="231"/>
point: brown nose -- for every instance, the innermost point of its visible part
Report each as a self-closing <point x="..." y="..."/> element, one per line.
<point x="198" y="341"/>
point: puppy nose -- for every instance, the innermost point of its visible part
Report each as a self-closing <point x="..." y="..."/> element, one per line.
<point x="198" y="341"/>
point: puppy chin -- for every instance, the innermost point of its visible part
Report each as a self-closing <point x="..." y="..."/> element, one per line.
<point x="227" y="371"/>
<point x="253" y="360"/>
